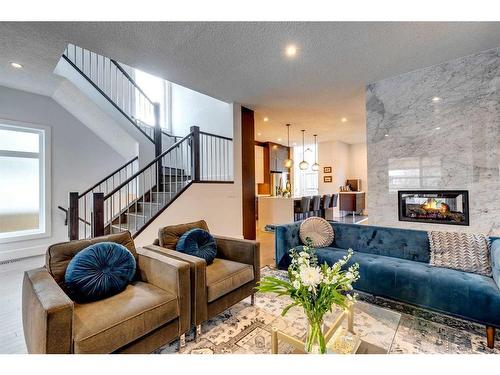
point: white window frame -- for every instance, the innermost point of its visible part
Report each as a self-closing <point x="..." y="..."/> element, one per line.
<point x="45" y="215"/>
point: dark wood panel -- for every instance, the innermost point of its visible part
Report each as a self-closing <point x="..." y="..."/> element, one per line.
<point x="248" y="172"/>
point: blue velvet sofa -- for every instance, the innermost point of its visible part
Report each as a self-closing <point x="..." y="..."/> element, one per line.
<point x="394" y="263"/>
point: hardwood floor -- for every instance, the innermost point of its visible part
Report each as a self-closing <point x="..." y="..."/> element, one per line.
<point x="11" y="327"/>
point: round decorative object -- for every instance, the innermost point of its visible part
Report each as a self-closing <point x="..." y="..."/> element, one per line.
<point x="99" y="271"/>
<point x="199" y="243"/>
<point x="318" y="230"/>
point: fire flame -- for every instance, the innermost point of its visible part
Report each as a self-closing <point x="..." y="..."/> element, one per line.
<point x="432" y="204"/>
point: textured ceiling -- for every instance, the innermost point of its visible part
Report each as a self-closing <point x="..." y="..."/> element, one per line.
<point x="245" y="62"/>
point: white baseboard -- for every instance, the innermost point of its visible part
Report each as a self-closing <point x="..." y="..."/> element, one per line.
<point x="22" y="253"/>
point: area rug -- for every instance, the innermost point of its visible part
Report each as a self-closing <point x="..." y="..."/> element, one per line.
<point x="246" y="329"/>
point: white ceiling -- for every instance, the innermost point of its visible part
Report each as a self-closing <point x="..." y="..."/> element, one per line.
<point x="245" y="62"/>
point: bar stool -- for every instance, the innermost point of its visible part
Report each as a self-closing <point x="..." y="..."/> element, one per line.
<point x="315" y="206"/>
<point x="326" y="204"/>
<point x="301" y="211"/>
<point x="335" y="198"/>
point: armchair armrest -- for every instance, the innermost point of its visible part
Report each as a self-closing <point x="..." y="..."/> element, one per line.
<point x="171" y="275"/>
<point x="47" y="314"/>
<point x="286" y="237"/>
<point x="197" y="268"/>
<point x="239" y="250"/>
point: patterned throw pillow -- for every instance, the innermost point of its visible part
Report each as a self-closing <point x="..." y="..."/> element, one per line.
<point x="99" y="271"/>
<point x="318" y="230"/>
<point x="461" y="251"/>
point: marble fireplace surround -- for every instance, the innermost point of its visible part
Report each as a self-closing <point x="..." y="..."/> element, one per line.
<point x="437" y="128"/>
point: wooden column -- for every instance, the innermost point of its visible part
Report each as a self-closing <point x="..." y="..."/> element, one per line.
<point x="248" y="172"/>
<point x="98" y="215"/>
<point x="195" y="149"/>
<point x="73" y="221"/>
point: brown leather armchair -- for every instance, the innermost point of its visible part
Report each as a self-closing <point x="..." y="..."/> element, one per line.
<point x="231" y="278"/>
<point x="152" y="311"/>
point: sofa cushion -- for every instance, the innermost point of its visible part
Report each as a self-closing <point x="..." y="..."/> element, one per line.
<point x="107" y="325"/>
<point x="465" y="295"/>
<point x="468" y="252"/>
<point x="168" y="236"/>
<point x="317" y="230"/>
<point x="224" y="276"/>
<point x="99" y="271"/>
<point x="59" y="255"/>
<point x="199" y="243"/>
<point x="393" y="242"/>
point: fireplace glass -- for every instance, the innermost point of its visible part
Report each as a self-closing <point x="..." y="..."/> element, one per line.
<point x="438" y="206"/>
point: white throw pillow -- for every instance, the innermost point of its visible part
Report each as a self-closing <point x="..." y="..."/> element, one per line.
<point x="318" y="230"/>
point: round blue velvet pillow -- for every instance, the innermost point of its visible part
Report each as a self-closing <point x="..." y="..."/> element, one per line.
<point x="99" y="271"/>
<point x="199" y="243"/>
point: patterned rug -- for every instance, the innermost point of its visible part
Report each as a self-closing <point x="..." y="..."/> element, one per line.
<point x="383" y="326"/>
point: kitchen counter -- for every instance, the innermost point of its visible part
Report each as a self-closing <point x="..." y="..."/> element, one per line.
<point x="274" y="210"/>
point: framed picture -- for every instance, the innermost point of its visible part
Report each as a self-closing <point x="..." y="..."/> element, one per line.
<point x="327" y="170"/>
<point x="327" y="179"/>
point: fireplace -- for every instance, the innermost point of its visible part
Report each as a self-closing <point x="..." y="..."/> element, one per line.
<point x="437" y="206"/>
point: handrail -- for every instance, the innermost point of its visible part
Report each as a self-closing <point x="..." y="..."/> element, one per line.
<point x="128" y="180"/>
<point x="108" y="176"/>
<point x="65" y="210"/>
<point x="216" y="135"/>
<point x="131" y="79"/>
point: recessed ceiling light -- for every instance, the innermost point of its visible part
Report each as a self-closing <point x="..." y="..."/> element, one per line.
<point x="436" y="99"/>
<point x="279" y="139"/>
<point x="259" y="133"/>
<point x="438" y="128"/>
<point x="343" y="119"/>
<point x="291" y="50"/>
<point x="386" y="135"/>
<point x="16" y="65"/>
<point x="266" y="119"/>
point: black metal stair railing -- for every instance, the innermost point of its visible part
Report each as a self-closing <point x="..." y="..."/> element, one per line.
<point x="116" y="85"/>
<point x="133" y="204"/>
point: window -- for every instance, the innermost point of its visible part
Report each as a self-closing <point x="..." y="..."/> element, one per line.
<point x="157" y="90"/>
<point x="24" y="172"/>
<point x="306" y="182"/>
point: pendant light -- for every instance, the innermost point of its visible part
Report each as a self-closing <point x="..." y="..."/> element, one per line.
<point x="315" y="166"/>
<point x="288" y="163"/>
<point x="303" y="164"/>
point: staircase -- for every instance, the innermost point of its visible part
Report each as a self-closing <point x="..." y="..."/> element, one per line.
<point x="130" y="197"/>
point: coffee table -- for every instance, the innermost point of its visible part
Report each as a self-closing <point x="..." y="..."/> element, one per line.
<point x="339" y="339"/>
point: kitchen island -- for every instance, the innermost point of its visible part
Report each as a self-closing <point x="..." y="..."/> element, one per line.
<point x="274" y="210"/>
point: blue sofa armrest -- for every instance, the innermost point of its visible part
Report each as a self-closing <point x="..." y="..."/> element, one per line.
<point x="495" y="260"/>
<point x="286" y="237"/>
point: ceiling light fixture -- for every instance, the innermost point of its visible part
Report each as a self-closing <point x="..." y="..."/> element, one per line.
<point x="16" y="65"/>
<point x="438" y="128"/>
<point x="343" y="119"/>
<point x="315" y="166"/>
<point x="279" y="139"/>
<point x="288" y="163"/>
<point x="266" y="119"/>
<point x="291" y="50"/>
<point x="259" y="133"/>
<point x="436" y="99"/>
<point x="303" y="164"/>
<point x="386" y="135"/>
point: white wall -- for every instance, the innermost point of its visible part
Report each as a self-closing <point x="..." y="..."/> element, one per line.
<point x="191" y="108"/>
<point x="348" y="161"/>
<point x="220" y="205"/>
<point x="79" y="159"/>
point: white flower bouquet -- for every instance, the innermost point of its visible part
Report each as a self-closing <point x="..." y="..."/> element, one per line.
<point x="316" y="288"/>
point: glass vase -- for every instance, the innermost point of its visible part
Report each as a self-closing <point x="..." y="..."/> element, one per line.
<point x="315" y="340"/>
